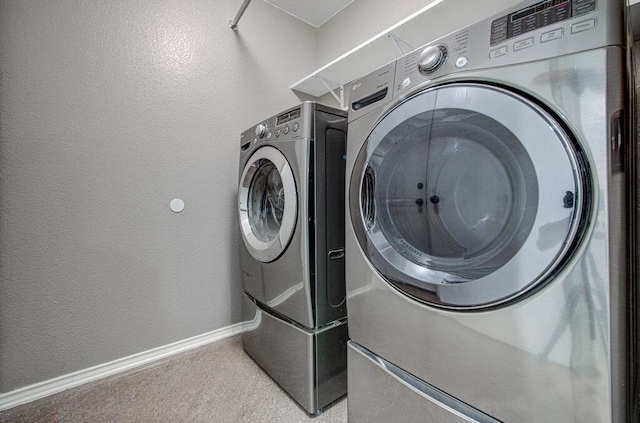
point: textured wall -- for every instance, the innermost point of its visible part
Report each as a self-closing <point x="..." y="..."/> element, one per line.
<point x="363" y="19"/>
<point x="359" y="21"/>
<point x="108" y="110"/>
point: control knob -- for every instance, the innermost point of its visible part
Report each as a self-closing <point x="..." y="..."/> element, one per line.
<point x="432" y="58"/>
<point x="261" y="130"/>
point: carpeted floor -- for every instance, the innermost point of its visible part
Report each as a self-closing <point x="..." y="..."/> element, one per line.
<point x="214" y="383"/>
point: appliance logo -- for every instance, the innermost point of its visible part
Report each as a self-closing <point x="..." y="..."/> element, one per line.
<point x="356" y="86"/>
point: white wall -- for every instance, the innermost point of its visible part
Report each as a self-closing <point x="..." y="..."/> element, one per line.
<point x="108" y="110"/>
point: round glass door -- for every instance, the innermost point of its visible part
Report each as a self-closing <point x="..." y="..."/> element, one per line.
<point x="465" y="196"/>
<point x="267" y="204"/>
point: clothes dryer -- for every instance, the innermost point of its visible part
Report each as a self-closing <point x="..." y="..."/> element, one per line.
<point x="291" y="208"/>
<point x="486" y="236"/>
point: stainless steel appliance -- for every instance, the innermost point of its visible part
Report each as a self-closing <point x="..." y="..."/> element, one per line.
<point x="486" y="224"/>
<point x="291" y="208"/>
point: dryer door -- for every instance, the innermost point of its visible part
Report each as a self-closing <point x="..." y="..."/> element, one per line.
<point x="268" y="204"/>
<point x="466" y="196"/>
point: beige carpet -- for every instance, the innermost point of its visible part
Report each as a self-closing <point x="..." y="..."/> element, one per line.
<point x="214" y="383"/>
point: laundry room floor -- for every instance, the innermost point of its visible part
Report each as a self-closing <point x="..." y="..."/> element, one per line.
<point x="214" y="383"/>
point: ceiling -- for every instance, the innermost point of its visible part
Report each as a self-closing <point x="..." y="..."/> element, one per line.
<point x="313" y="12"/>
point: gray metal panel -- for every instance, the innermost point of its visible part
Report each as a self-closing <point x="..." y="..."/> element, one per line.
<point x="328" y="206"/>
<point x="619" y="238"/>
<point x="381" y="392"/>
<point x="559" y="355"/>
<point x="634" y="163"/>
<point x="331" y="362"/>
<point x="283" y="350"/>
<point x="309" y="364"/>
<point x="319" y="107"/>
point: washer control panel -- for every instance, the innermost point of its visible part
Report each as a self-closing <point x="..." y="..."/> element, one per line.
<point x="286" y="126"/>
<point x="533" y="30"/>
<point x="288" y="122"/>
<point x="261" y="130"/>
<point x="259" y="133"/>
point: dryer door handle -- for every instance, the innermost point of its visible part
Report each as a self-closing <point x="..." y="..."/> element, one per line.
<point x="617" y="131"/>
<point x="367" y="197"/>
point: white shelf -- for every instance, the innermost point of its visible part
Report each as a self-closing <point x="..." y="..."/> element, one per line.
<point x="427" y="24"/>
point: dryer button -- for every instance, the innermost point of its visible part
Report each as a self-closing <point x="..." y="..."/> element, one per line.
<point x="498" y="52"/>
<point x="461" y="62"/>
<point x="551" y="35"/>
<point x="583" y="26"/>
<point x="286" y="130"/>
<point x="295" y="127"/>
<point x="519" y="45"/>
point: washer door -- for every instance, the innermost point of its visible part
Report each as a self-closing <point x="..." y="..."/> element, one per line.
<point x="466" y="196"/>
<point x="268" y="204"/>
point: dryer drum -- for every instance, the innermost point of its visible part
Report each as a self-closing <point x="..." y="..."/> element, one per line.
<point x="470" y="184"/>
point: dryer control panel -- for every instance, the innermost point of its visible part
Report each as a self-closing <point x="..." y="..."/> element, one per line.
<point x="371" y="91"/>
<point x="537" y="16"/>
<point x="534" y="30"/>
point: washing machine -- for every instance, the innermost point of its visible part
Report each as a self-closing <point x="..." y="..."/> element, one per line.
<point x="486" y="239"/>
<point x="291" y="211"/>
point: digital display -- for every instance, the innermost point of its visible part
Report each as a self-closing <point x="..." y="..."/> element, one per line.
<point x="537" y="16"/>
<point x="535" y="9"/>
<point x="286" y="117"/>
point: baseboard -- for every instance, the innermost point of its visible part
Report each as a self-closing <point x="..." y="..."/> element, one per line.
<point x="49" y="387"/>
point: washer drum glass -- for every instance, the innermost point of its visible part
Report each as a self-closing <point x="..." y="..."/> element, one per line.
<point x="267" y="204"/>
